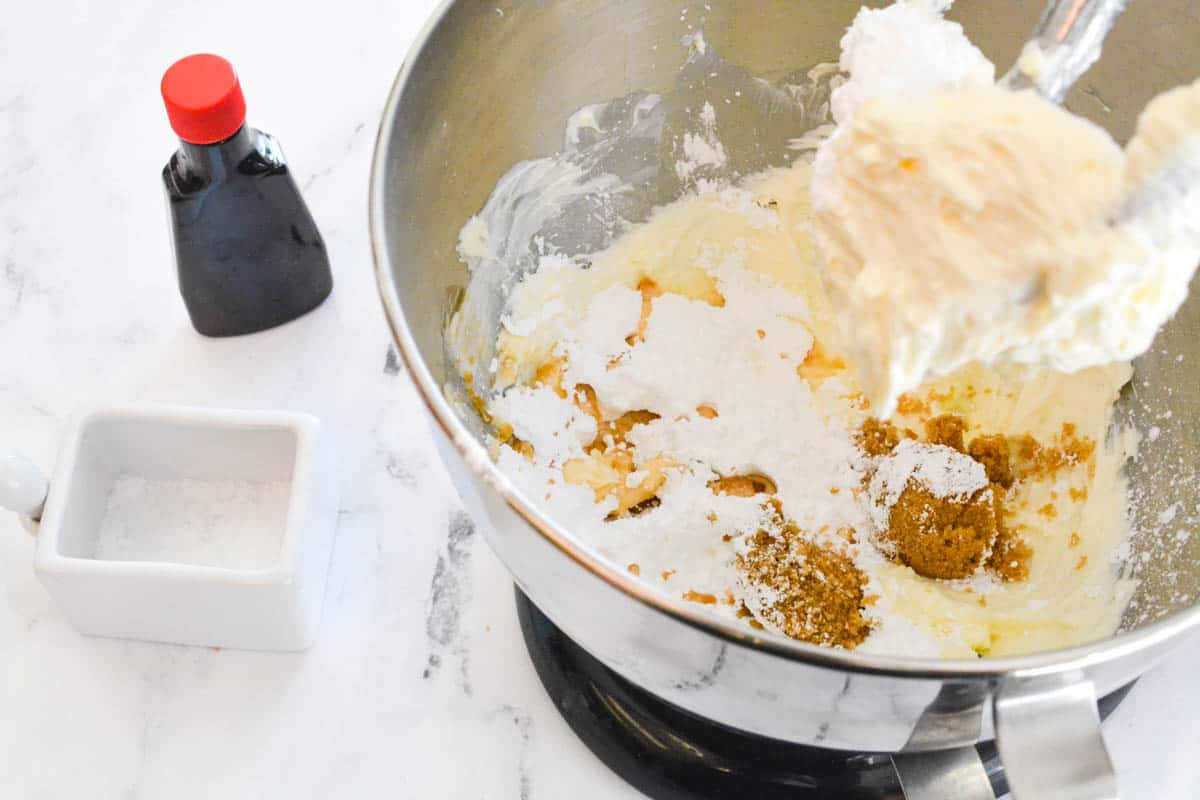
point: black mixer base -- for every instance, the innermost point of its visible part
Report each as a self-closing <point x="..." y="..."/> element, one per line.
<point x="668" y="753"/>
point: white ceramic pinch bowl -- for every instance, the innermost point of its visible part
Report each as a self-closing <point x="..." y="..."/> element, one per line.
<point x="271" y="601"/>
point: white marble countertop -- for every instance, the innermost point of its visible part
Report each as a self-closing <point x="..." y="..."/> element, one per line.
<point x="390" y="702"/>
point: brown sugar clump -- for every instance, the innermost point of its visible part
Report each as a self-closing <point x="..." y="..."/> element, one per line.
<point x="1010" y="556"/>
<point x="1033" y="461"/>
<point x="946" y="429"/>
<point x="745" y="613"/>
<point x="815" y="594"/>
<point x="877" y="438"/>
<point x="949" y="539"/>
<point x="911" y="405"/>
<point x="940" y="398"/>
<point x="1078" y="450"/>
<point x="1026" y="453"/>
<point x="992" y="452"/>
<point x="942" y="538"/>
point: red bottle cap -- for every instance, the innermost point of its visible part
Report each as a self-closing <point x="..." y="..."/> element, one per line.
<point x="203" y="98"/>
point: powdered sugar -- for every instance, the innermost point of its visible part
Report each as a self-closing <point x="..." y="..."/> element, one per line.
<point x="905" y="50"/>
<point x="702" y="151"/>
<point x="697" y="354"/>
<point x="539" y="415"/>
<point x="945" y="472"/>
<point x="528" y="325"/>
<point x="895" y="634"/>
<point x="739" y="359"/>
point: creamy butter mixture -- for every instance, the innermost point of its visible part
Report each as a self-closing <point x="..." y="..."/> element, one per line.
<point x="737" y="358"/>
<point x="963" y="222"/>
<point x="687" y="401"/>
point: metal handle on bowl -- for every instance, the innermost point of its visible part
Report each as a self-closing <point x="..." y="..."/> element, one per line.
<point x="1048" y="735"/>
<point x="940" y="774"/>
<point x="1066" y="41"/>
<point x="939" y="760"/>
<point x="23" y="488"/>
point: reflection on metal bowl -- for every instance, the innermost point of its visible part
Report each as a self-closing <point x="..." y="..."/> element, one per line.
<point x="488" y="85"/>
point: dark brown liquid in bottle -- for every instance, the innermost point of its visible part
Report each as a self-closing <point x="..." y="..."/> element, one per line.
<point x="249" y="255"/>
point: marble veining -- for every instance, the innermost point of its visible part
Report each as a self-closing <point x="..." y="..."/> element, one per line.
<point x="449" y="593"/>
<point x="419" y="686"/>
<point x="391" y="362"/>
<point x="709" y="676"/>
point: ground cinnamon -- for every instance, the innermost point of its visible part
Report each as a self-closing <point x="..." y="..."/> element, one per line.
<point x="1010" y="556"/>
<point x="877" y="438"/>
<point x="951" y="538"/>
<point x="947" y="430"/>
<point x="942" y="538"/>
<point x="817" y="592"/>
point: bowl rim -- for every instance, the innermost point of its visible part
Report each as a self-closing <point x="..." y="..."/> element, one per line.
<point x="1077" y="657"/>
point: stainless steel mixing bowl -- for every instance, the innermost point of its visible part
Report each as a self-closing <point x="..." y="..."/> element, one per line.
<point x="488" y="84"/>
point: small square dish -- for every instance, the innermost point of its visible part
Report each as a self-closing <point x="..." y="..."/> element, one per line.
<point x="194" y="526"/>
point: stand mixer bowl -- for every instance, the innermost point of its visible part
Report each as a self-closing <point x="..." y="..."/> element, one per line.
<point x="488" y="85"/>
